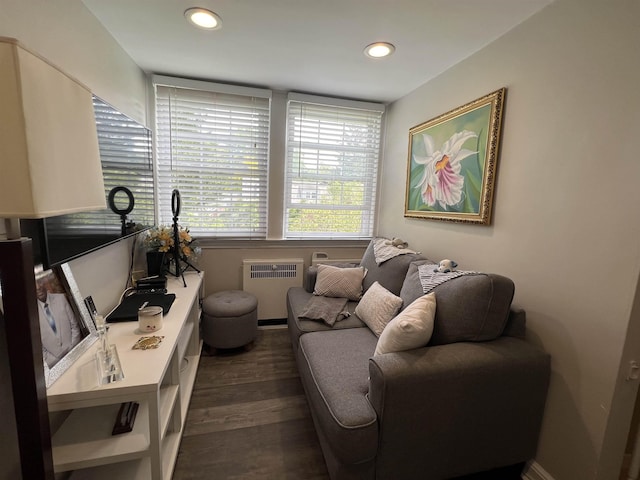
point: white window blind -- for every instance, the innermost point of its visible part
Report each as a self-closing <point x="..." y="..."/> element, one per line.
<point x="127" y="160"/>
<point x="213" y="147"/>
<point x="332" y="168"/>
<point x="126" y="157"/>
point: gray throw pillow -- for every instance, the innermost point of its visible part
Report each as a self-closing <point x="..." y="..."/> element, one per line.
<point x="339" y="282"/>
<point x="377" y="307"/>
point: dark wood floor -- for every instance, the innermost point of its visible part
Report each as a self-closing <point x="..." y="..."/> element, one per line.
<point x="249" y="418"/>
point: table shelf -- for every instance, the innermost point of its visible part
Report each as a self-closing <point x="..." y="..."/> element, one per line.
<point x="160" y="380"/>
<point x="85" y="438"/>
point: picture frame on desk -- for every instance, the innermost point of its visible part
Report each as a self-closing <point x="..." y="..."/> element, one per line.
<point x="66" y="327"/>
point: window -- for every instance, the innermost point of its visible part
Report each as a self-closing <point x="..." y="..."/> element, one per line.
<point x="125" y="154"/>
<point x="333" y="149"/>
<point x="213" y="145"/>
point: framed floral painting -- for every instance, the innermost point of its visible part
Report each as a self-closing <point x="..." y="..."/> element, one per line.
<point x="452" y="163"/>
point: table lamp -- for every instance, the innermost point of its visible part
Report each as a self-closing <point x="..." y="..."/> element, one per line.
<point x="49" y="165"/>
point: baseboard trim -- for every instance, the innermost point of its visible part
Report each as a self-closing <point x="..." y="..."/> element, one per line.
<point x="534" y="471"/>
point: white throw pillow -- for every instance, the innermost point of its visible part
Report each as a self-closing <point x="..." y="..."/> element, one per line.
<point x="412" y="328"/>
<point x="377" y="307"/>
<point x="339" y="282"/>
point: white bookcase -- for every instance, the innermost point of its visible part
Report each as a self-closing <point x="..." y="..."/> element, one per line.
<point x="160" y="380"/>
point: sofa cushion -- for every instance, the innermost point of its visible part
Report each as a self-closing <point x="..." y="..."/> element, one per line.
<point x="377" y="306"/>
<point x="297" y="298"/>
<point x="389" y="274"/>
<point x="339" y="282"/>
<point x="411" y="286"/>
<point x="334" y="368"/>
<point x="412" y="328"/>
<point x="471" y="308"/>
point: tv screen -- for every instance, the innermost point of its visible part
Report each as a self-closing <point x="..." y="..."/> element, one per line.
<point x="127" y="168"/>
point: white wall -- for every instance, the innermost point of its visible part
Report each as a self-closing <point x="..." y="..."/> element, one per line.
<point x="565" y="224"/>
<point x="70" y="37"/>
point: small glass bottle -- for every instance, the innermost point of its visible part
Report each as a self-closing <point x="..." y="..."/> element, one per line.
<point x="103" y="337"/>
<point x="108" y="362"/>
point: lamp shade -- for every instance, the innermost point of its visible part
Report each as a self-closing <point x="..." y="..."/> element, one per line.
<point x="49" y="156"/>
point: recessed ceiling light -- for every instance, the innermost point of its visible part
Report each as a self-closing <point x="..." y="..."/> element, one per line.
<point x="379" y="50"/>
<point x="203" y="18"/>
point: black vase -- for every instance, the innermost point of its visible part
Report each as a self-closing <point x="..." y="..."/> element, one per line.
<point x="155" y="263"/>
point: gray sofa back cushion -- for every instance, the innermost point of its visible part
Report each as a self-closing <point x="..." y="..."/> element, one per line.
<point x="389" y="274"/>
<point x="471" y="308"/>
<point x="411" y="286"/>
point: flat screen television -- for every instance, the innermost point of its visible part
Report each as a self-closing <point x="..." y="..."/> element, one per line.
<point x="127" y="167"/>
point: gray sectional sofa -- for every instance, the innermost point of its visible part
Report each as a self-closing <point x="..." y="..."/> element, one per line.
<point x="471" y="400"/>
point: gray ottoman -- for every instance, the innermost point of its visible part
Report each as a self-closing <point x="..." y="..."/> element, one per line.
<point x="230" y="319"/>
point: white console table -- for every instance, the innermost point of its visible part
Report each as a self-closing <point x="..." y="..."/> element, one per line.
<point x="160" y="380"/>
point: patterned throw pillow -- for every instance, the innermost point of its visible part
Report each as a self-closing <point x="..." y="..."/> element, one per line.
<point x="412" y="328"/>
<point x="339" y="282"/>
<point x="377" y="307"/>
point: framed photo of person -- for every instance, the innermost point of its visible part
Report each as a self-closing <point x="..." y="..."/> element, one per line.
<point x="66" y="327"/>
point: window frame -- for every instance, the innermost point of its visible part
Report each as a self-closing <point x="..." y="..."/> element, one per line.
<point x="370" y="193"/>
<point x="277" y="164"/>
<point x="223" y="89"/>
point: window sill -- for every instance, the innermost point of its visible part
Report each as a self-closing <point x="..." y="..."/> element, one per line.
<point x="206" y="243"/>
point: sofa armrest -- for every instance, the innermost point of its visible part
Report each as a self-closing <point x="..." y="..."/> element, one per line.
<point x="309" y="279"/>
<point x="458" y="408"/>
<point x="516" y="323"/>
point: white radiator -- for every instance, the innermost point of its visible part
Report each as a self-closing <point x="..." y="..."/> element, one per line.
<point x="269" y="281"/>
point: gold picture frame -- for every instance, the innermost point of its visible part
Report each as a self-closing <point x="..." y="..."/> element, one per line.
<point x="452" y="163"/>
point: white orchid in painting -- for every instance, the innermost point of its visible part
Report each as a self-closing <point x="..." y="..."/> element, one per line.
<point x="441" y="181"/>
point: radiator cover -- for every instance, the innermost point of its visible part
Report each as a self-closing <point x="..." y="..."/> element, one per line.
<point x="269" y="280"/>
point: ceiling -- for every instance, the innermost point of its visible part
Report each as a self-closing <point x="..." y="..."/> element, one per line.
<point x="311" y="46"/>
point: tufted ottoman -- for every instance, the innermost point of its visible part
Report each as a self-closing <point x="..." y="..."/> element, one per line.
<point x="230" y="319"/>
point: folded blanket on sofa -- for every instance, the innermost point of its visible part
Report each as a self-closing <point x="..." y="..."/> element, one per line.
<point x="384" y="252"/>
<point x="327" y="309"/>
<point x="430" y="279"/>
